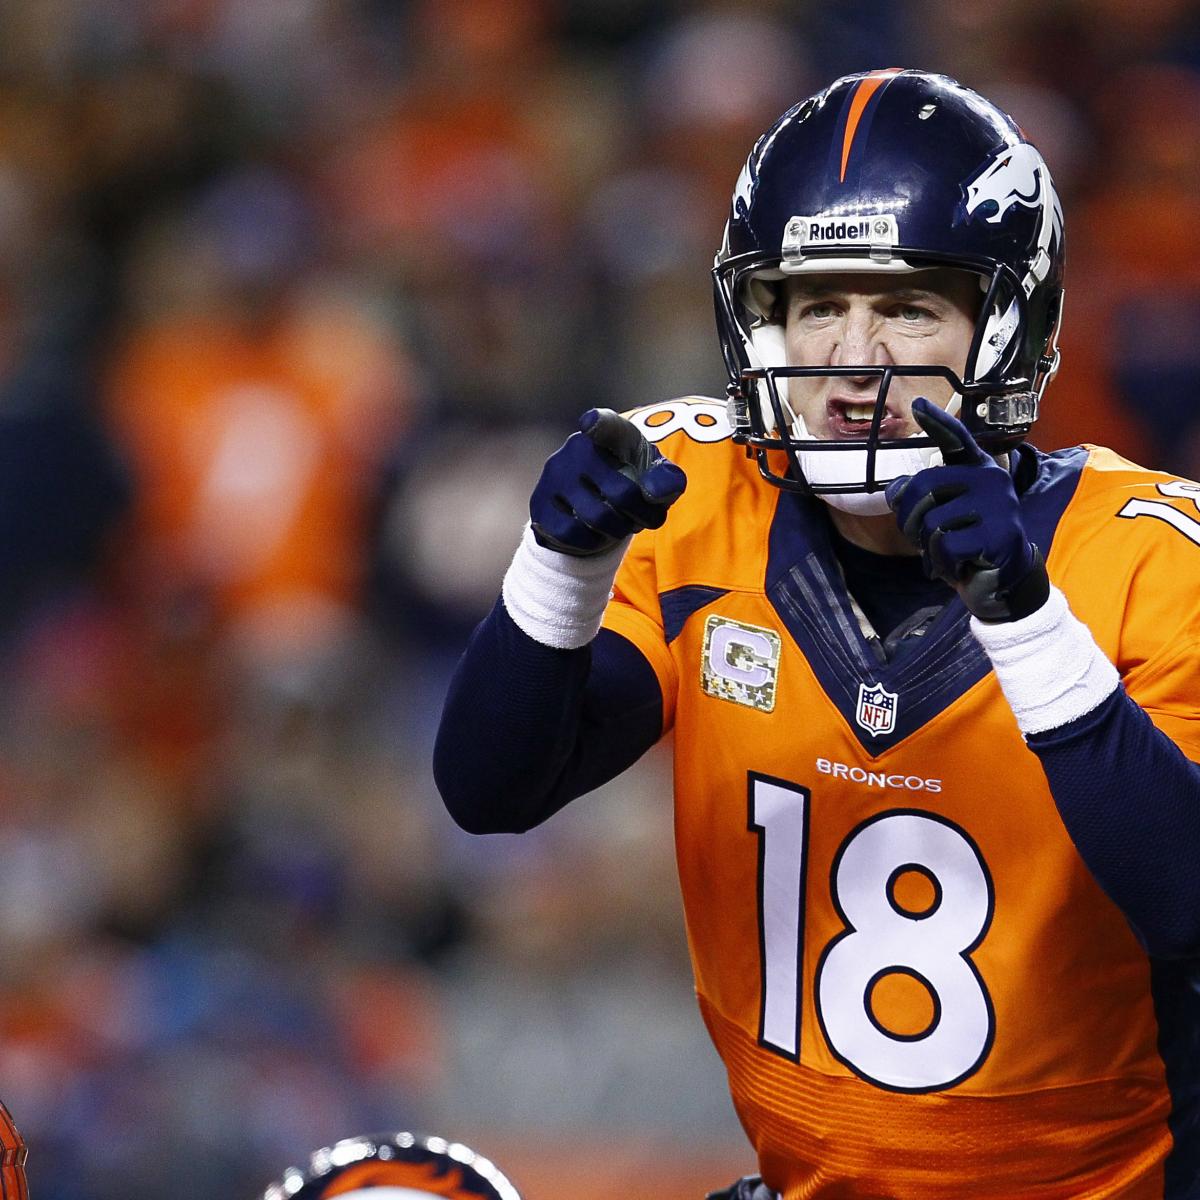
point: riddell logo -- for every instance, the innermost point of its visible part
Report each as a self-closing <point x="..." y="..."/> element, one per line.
<point x="877" y="230"/>
<point x="839" y="231"/>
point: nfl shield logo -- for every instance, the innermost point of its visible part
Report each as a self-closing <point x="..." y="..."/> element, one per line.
<point x="876" y="711"/>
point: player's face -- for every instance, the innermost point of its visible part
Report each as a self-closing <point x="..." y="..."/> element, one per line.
<point x="921" y="319"/>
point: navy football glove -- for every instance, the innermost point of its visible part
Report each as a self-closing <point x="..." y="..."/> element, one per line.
<point x="601" y="485"/>
<point x="966" y="519"/>
<point x="749" y="1187"/>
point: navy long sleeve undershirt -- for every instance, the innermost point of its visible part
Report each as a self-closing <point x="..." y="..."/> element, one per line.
<point x="1131" y="802"/>
<point x="527" y="728"/>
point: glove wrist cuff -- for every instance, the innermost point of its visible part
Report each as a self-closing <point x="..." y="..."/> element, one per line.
<point x="559" y="599"/>
<point x="1031" y="592"/>
<point x="1048" y="664"/>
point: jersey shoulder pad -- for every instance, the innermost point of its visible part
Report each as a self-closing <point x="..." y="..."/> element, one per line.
<point x="695" y="433"/>
<point x="1132" y="527"/>
<point x="1112" y="469"/>
<point x="1110" y="485"/>
<point x="716" y="532"/>
<point x="672" y="424"/>
<point x="1129" y="563"/>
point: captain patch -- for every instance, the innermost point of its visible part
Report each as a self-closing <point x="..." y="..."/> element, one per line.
<point x="740" y="663"/>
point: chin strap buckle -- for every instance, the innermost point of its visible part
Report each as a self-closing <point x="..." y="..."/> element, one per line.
<point x="1013" y="408"/>
<point x="737" y="407"/>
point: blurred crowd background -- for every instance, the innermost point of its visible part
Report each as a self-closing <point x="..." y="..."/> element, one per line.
<point x="295" y="296"/>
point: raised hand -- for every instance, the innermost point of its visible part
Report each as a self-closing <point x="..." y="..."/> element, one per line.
<point x="966" y="519"/>
<point x="601" y="485"/>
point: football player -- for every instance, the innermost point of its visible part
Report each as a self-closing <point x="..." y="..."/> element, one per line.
<point x="394" y="1166"/>
<point x="935" y="694"/>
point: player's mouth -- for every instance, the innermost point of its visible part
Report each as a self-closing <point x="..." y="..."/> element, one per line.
<point x="851" y="418"/>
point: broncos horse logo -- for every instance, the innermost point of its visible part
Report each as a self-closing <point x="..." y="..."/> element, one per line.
<point x="400" y="1166"/>
<point x="1013" y="176"/>
<point x="400" y="1181"/>
<point x="397" y="1179"/>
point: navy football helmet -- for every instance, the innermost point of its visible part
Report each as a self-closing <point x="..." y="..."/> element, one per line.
<point x="890" y="171"/>
<point x="394" y="1166"/>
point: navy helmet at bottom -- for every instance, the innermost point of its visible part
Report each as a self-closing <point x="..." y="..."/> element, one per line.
<point x="394" y="1166"/>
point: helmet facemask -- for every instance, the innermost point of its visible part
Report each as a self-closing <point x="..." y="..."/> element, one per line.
<point x="852" y="473"/>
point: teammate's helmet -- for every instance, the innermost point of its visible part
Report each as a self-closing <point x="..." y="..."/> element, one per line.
<point x="394" y="1166"/>
<point x="890" y="171"/>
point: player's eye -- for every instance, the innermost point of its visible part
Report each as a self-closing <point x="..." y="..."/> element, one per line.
<point x="819" y="310"/>
<point x="913" y="314"/>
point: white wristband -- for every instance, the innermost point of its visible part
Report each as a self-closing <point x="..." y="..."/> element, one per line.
<point x="1049" y="666"/>
<point x="556" y="598"/>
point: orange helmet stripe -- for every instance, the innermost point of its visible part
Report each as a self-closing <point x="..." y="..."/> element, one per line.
<point x="866" y="87"/>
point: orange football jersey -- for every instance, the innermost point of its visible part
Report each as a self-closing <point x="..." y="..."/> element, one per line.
<point x="915" y="984"/>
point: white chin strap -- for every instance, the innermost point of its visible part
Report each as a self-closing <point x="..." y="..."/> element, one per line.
<point x="838" y="468"/>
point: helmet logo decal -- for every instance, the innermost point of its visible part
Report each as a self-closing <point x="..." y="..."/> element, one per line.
<point x="1017" y="175"/>
<point x="396" y="1178"/>
<point x="393" y="1166"/>
<point x="1013" y="176"/>
<point x="859" y="99"/>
